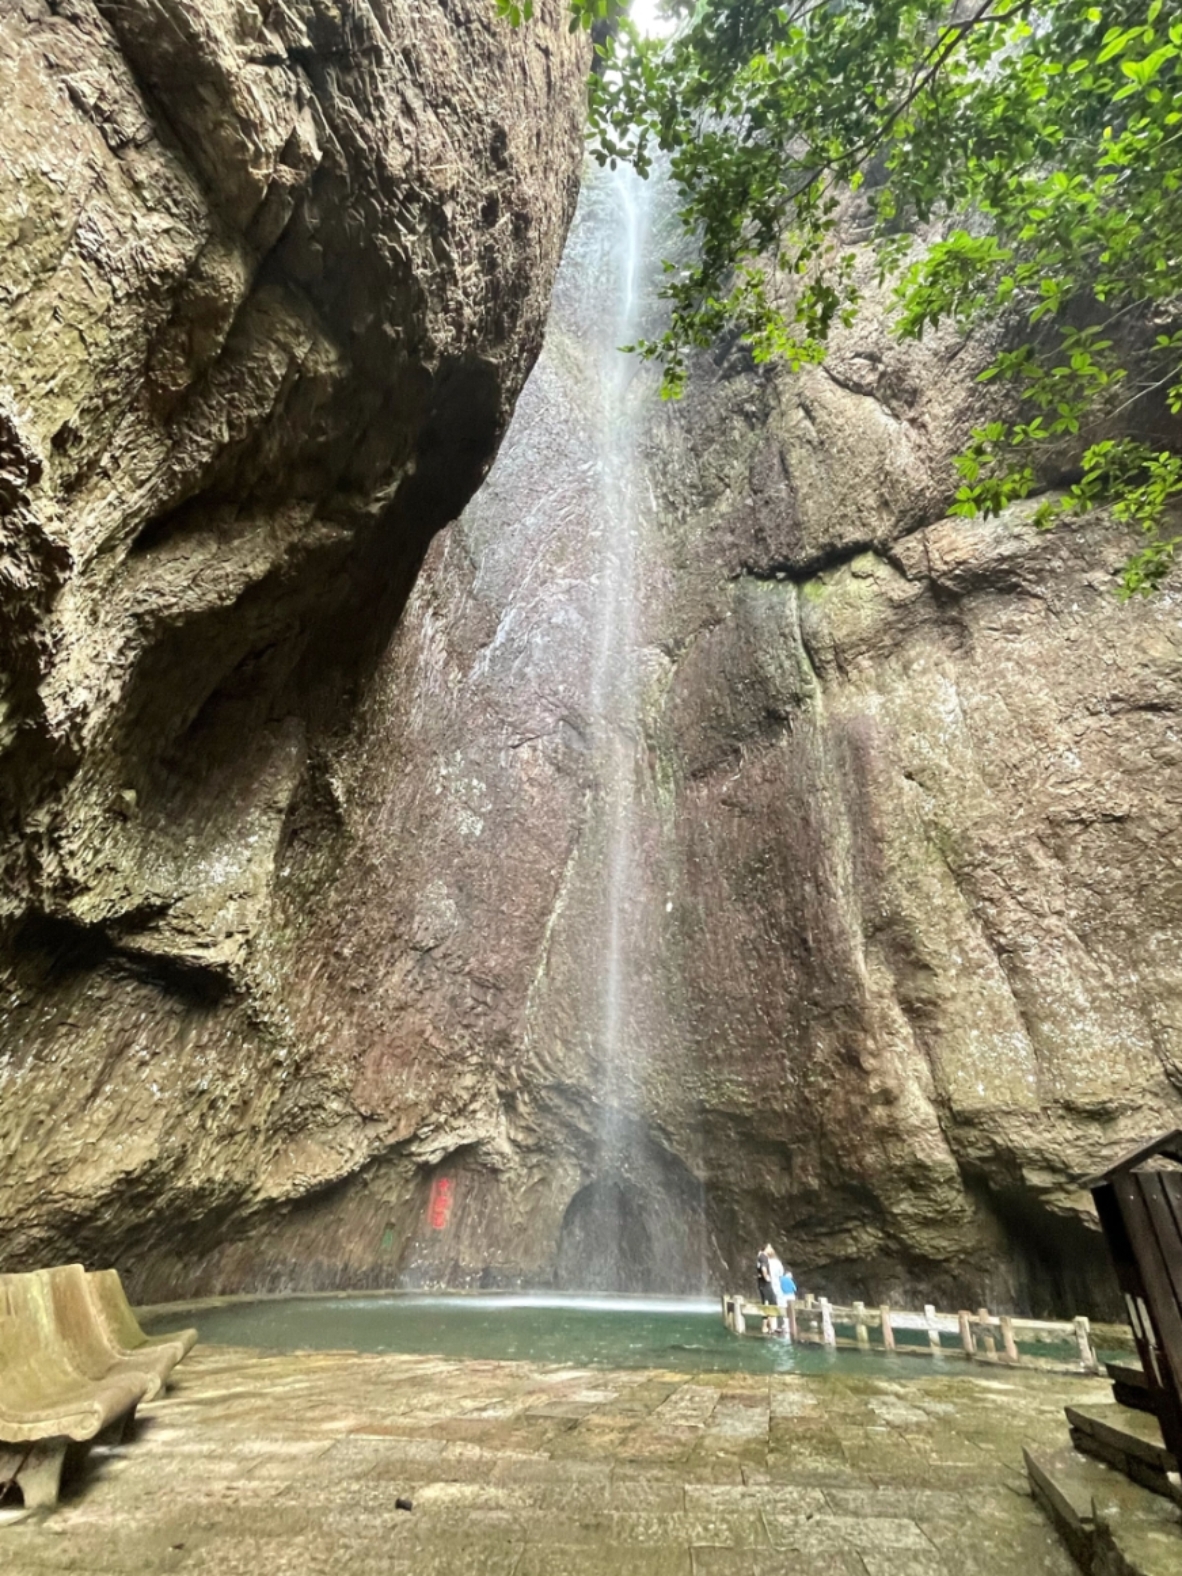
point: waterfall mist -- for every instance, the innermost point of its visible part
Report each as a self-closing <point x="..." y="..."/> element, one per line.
<point x="638" y="1222"/>
<point x="614" y="702"/>
<point x="556" y="874"/>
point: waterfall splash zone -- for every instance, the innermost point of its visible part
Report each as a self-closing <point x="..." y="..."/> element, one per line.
<point x="615" y="699"/>
<point x="680" y="1334"/>
<point x="637" y="1223"/>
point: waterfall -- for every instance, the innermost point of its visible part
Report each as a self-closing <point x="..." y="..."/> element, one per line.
<point x="614" y="704"/>
<point x="573" y="541"/>
<point x="639" y="1222"/>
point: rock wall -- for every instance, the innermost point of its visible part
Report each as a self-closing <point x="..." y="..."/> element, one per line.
<point x="305" y="911"/>
<point x="902" y="905"/>
<point x="271" y="278"/>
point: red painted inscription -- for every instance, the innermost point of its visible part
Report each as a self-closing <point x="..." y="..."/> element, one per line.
<point x="439" y="1204"/>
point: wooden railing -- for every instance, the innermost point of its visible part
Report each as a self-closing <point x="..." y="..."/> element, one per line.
<point x="1139" y="1202"/>
<point x="980" y="1336"/>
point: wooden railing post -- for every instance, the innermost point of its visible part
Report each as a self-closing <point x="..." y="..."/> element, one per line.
<point x="1083" y="1338"/>
<point x="1007" y="1338"/>
<point x="929" y="1314"/>
<point x="888" y="1334"/>
<point x="861" y="1333"/>
<point x="987" y="1340"/>
<point x="965" y="1320"/>
<point x="827" y="1333"/>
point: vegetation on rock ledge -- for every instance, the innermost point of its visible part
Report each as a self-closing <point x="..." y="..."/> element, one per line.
<point x="1035" y="147"/>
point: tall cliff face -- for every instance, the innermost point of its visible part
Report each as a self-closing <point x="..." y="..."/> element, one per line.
<point x="896" y="920"/>
<point x="720" y="841"/>
<point x="271" y="278"/>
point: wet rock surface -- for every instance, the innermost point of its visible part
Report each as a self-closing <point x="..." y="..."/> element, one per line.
<point x="308" y="886"/>
<point x="900" y="909"/>
<point x="271" y="277"/>
<point x="296" y="1463"/>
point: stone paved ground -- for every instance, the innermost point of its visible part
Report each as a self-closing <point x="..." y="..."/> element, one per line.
<point x="290" y="1466"/>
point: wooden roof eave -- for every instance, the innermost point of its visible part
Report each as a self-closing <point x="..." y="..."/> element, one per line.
<point x="1169" y="1145"/>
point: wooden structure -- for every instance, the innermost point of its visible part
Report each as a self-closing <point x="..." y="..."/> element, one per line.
<point x="74" y="1364"/>
<point x="980" y="1336"/>
<point x="1139" y="1201"/>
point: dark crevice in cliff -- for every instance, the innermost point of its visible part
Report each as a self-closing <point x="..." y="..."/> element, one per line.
<point x="798" y="573"/>
<point x="457" y="441"/>
<point x="455" y="446"/>
<point x="301" y="640"/>
<point x="53" y="949"/>
<point x="161" y="530"/>
<point x="1061" y="1266"/>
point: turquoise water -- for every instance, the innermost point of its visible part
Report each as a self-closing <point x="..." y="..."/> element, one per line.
<point x="683" y="1334"/>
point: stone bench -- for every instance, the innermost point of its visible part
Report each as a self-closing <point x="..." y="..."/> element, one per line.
<point x="73" y="1364"/>
<point x="160" y="1352"/>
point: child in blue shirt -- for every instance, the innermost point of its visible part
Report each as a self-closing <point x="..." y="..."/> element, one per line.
<point x="788" y="1293"/>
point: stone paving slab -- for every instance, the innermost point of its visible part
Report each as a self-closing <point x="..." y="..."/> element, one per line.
<point x="1112" y="1523"/>
<point x="289" y="1465"/>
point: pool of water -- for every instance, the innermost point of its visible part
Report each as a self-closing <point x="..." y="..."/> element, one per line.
<point x="683" y="1334"/>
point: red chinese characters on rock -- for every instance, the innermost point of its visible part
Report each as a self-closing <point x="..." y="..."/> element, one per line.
<point x="440" y="1202"/>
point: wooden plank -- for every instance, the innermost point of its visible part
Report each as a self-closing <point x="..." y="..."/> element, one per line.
<point x="966" y="1333"/>
<point x="1171" y="1181"/>
<point x="1132" y="1433"/>
<point x="986" y="1326"/>
<point x="1166" y="1386"/>
<point x="1126" y="1374"/>
<point x="1140" y="1199"/>
<point x="1136" y="1397"/>
<point x="1009" y="1345"/>
<point x="888" y="1332"/>
<point x="929" y="1318"/>
<point x="861" y="1333"/>
<point x="1165" y="1227"/>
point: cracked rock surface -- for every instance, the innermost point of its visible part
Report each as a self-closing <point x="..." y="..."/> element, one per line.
<point x="900" y="906"/>
<point x="309" y="876"/>
<point x="536" y="1470"/>
<point x="271" y="278"/>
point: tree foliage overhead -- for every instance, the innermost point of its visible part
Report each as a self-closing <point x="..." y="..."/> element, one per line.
<point x="1037" y="145"/>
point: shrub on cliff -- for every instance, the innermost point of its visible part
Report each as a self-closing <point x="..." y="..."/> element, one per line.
<point x="1038" y="145"/>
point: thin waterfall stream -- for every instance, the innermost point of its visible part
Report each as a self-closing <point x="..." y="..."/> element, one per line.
<point x="568" y="833"/>
<point x="638" y="1224"/>
<point x="615" y="693"/>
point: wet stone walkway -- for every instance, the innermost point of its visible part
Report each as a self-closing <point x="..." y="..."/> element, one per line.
<point x="291" y="1465"/>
